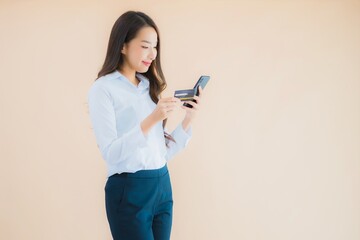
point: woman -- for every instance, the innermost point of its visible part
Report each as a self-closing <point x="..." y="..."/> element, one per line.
<point x="128" y="118"/>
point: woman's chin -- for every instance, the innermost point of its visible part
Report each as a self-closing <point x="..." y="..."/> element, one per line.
<point x="143" y="70"/>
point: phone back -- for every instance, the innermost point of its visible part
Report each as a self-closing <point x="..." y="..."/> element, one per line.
<point x="203" y="80"/>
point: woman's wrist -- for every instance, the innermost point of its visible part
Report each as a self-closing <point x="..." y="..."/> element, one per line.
<point x="186" y="123"/>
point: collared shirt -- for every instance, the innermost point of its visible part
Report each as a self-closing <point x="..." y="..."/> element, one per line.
<point x="117" y="107"/>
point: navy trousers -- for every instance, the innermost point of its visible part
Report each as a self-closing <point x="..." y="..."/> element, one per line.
<point x="139" y="205"/>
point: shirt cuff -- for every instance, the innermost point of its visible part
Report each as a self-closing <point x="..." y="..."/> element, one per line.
<point x="181" y="136"/>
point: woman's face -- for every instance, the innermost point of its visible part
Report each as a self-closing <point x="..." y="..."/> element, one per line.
<point x="141" y="51"/>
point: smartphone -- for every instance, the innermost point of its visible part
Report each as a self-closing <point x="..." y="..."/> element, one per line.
<point x="203" y="80"/>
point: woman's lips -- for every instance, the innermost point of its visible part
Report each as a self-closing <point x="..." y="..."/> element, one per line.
<point x="147" y="63"/>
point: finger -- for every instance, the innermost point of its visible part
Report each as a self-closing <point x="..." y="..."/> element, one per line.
<point x="172" y="105"/>
<point x="198" y="99"/>
<point x="178" y="101"/>
<point x="170" y="99"/>
<point x="170" y="109"/>
<point x="192" y="104"/>
<point x="175" y="99"/>
<point x="167" y="98"/>
<point x="188" y="109"/>
<point x="168" y="103"/>
<point x="200" y="90"/>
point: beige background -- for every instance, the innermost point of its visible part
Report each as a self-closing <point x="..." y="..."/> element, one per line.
<point x="275" y="153"/>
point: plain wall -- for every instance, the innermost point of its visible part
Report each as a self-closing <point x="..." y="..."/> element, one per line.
<point x="275" y="152"/>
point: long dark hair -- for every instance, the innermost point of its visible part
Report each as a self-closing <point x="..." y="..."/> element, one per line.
<point x="124" y="30"/>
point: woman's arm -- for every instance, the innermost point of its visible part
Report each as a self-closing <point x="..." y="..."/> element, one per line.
<point x="183" y="132"/>
<point x="186" y="123"/>
<point x="181" y="137"/>
<point x="113" y="147"/>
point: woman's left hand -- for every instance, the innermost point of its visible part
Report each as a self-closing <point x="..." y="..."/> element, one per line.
<point x="191" y="112"/>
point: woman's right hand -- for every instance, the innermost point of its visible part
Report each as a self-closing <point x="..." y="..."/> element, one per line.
<point x="164" y="108"/>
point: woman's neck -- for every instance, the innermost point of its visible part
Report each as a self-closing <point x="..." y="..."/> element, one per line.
<point x="130" y="75"/>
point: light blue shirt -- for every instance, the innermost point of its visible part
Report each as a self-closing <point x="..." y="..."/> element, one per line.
<point x="117" y="107"/>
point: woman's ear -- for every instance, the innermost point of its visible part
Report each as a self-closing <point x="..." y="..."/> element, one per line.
<point x="123" y="50"/>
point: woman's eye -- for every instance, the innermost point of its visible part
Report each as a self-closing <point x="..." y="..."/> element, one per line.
<point x="147" y="47"/>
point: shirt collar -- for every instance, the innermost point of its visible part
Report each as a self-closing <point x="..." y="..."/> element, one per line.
<point x="144" y="81"/>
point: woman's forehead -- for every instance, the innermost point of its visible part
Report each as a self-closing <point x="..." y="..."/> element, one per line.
<point x="147" y="35"/>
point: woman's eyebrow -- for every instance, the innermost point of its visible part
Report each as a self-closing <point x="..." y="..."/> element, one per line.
<point x="148" y="42"/>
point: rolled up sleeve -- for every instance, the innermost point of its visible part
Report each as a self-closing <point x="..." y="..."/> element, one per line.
<point x="182" y="139"/>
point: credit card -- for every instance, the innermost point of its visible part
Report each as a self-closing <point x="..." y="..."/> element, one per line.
<point x="185" y="95"/>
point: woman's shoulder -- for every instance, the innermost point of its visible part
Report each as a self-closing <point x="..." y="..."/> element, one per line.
<point x="103" y="81"/>
<point x="102" y="85"/>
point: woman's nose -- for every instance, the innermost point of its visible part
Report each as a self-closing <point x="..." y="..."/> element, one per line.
<point x="152" y="54"/>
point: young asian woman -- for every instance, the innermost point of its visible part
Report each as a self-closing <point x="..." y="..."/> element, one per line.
<point x="128" y="117"/>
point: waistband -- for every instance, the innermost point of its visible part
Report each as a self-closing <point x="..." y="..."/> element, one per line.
<point x="152" y="173"/>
